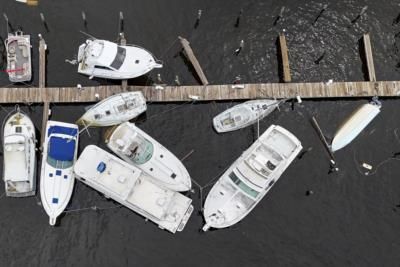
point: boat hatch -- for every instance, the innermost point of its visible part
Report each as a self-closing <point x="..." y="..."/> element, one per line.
<point x="228" y="121"/>
<point x="173" y="176"/>
<point x="18" y="129"/>
<point x="108" y="113"/>
<point x="97" y="116"/>
<point x="101" y="167"/>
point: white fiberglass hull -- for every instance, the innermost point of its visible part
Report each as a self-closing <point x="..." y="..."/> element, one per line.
<point x="250" y="177"/>
<point x="104" y="59"/>
<point x="244" y="114"/>
<point x="114" y="110"/>
<point x="165" y="168"/>
<point x="353" y="126"/>
<point x="132" y="188"/>
<point x="19" y="154"/>
<point x="19" y="66"/>
<point x="57" y="178"/>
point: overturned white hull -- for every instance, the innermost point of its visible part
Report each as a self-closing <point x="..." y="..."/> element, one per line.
<point x="353" y="125"/>
<point x="250" y="177"/>
<point x="244" y="114"/>
<point x="133" y="188"/>
<point x="104" y="59"/>
<point x="114" y="110"/>
<point x="19" y="142"/>
<point x="19" y="66"/>
<point x="57" y="179"/>
<point x="139" y="149"/>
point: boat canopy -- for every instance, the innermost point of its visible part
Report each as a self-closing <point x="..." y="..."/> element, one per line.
<point x="62" y="149"/>
<point x="62" y="130"/>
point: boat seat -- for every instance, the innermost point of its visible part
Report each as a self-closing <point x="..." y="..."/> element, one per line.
<point x="24" y="51"/>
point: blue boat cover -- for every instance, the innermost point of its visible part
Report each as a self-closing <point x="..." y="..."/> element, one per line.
<point x="62" y="130"/>
<point x="61" y="148"/>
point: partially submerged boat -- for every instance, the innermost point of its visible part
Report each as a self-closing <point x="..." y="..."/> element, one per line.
<point x="133" y="188"/>
<point x="355" y="123"/>
<point x="19" y="155"/>
<point x="57" y="179"/>
<point x="141" y="150"/>
<point x="104" y="59"/>
<point x="250" y="177"/>
<point x="115" y="109"/>
<point x="19" y="66"/>
<point x="244" y="114"/>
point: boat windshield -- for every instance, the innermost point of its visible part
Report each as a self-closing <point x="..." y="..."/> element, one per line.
<point x="244" y="187"/>
<point x="142" y="152"/>
<point x="61" y="152"/>
<point x="119" y="58"/>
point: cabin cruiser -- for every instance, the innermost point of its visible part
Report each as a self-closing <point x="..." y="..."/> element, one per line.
<point x="104" y="59"/>
<point x="115" y="109"/>
<point x="131" y="187"/>
<point x="57" y="179"/>
<point x="250" y="177"/>
<point x="142" y="151"/>
<point x="354" y="125"/>
<point x="244" y="114"/>
<point x="19" y="66"/>
<point x="19" y="155"/>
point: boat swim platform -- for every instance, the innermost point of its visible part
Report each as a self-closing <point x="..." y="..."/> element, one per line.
<point x="317" y="90"/>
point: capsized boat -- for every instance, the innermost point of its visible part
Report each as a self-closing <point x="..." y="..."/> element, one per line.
<point x="250" y="177"/>
<point x="19" y="144"/>
<point x="19" y="66"/>
<point x="133" y="188"/>
<point x="104" y="59"/>
<point x="244" y="114"/>
<point x="57" y="179"/>
<point x="354" y="124"/>
<point x="141" y="150"/>
<point x="115" y="109"/>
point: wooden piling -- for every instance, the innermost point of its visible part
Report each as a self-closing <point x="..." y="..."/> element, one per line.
<point x="124" y="83"/>
<point x="369" y="58"/>
<point x="42" y="84"/>
<point x="285" y="58"/>
<point x="192" y="58"/>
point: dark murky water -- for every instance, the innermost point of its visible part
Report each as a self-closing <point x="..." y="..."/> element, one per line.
<point x="350" y="220"/>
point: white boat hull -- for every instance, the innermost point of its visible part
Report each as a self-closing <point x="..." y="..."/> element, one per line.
<point x="19" y="155"/>
<point x="104" y="59"/>
<point x="250" y="177"/>
<point x="354" y="125"/>
<point x="158" y="162"/>
<point x="243" y="115"/>
<point x="132" y="188"/>
<point x="114" y="110"/>
<point x="57" y="178"/>
<point x="19" y="66"/>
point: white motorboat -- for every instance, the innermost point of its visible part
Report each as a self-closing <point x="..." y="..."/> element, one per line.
<point x="353" y="125"/>
<point x="19" y="66"/>
<point x="57" y="179"/>
<point x="141" y="150"/>
<point x="19" y="144"/>
<point x="244" y="114"/>
<point x="250" y="177"/>
<point x="133" y="188"/>
<point x="104" y="59"/>
<point x="115" y="109"/>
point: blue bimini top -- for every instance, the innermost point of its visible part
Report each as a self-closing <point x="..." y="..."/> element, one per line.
<point x="62" y="149"/>
<point x="62" y="130"/>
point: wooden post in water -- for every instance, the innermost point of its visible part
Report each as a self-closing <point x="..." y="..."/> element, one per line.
<point x="368" y="56"/>
<point x="124" y="83"/>
<point x="192" y="58"/>
<point x="42" y="85"/>
<point x="285" y="58"/>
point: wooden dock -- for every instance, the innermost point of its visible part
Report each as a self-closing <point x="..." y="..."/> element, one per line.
<point x="284" y="58"/>
<point x="369" y="58"/>
<point x="42" y="87"/>
<point x="192" y="58"/>
<point x="205" y="93"/>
